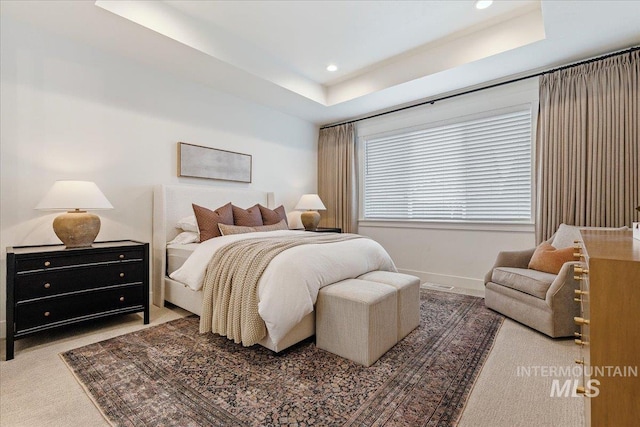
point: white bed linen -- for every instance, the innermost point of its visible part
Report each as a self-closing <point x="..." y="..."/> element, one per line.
<point x="289" y="286"/>
<point x="177" y="254"/>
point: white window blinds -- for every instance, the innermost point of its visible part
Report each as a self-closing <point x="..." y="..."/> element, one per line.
<point x="477" y="170"/>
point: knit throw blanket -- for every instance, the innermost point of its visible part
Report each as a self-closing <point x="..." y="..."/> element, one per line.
<point x="230" y="289"/>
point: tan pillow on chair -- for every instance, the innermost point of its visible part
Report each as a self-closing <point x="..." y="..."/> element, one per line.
<point x="549" y="259"/>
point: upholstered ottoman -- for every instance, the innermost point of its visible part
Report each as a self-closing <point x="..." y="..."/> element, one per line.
<point x="408" y="288"/>
<point x="357" y="320"/>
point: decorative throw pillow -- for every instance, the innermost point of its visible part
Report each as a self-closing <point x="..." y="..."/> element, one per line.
<point x="273" y="216"/>
<point x="188" y="223"/>
<point x="549" y="259"/>
<point x="250" y="217"/>
<point x="226" y="230"/>
<point x="565" y="236"/>
<point x="208" y="220"/>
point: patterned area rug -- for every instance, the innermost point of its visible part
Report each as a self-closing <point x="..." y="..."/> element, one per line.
<point x="170" y="375"/>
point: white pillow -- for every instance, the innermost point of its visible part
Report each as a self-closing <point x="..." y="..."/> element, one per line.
<point x="188" y="223"/>
<point x="184" y="238"/>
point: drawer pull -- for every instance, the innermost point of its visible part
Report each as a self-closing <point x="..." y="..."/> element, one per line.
<point x="121" y="274"/>
<point x="47" y="263"/>
<point x="121" y="299"/>
<point x="121" y="256"/>
<point x="580" y="321"/>
<point x="580" y="390"/>
<point x="577" y="299"/>
<point x="47" y="314"/>
<point x="579" y="292"/>
<point x="578" y="255"/>
<point x="580" y="270"/>
<point x="577" y="334"/>
<point x="581" y="342"/>
<point x="579" y="361"/>
<point x="47" y="285"/>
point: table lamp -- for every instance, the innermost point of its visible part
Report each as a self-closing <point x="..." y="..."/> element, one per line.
<point x="76" y="228"/>
<point x="311" y="203"/>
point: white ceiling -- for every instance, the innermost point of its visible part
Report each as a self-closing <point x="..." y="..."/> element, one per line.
<point x="388" y="52"/>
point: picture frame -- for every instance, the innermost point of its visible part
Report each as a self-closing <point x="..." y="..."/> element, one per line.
<point x="196" y="161"/>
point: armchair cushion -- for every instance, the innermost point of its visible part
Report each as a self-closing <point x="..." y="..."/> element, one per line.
<point x="549" y="259"/>
<point x="532" y="282"/>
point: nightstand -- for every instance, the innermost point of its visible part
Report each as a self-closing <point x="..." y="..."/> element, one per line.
<point x="51" y="286"/>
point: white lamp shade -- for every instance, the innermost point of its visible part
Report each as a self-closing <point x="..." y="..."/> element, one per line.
<point x="310" y="202"/>
<point x="68" y="195"/>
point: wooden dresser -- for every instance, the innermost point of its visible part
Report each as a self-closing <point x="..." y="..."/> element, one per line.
<point x="610" y="327"/>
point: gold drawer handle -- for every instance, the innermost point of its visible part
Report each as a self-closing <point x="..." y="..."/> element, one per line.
<point x="121" y="299"/>
<point x="579" y="361"/>
<point x="580" y="390"/>
<point x="577" y="334"/>
<point x="47" y="263"/>
<point x="121" y="274"/>
<point x="580" y="321"/>
<point x="578" y="278"/>
<point x="577" y="299"/>
<point x="580" y="270"/>
<point x="580" y="292"/>
<point x="47" y="314"/>
<point x="580" y="342"/>
<point x="578" y="255"/>
<point x="47" y="285"/>
<point x="121" y="256"/>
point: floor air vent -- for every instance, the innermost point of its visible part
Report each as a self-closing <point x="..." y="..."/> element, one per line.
<point x="437" y="286"/>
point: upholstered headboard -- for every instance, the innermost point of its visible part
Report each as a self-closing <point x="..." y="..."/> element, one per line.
<point x="173" y="202"/>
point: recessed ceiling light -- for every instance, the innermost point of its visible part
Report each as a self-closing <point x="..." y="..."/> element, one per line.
<point x="332" y="67"/>
<point x="483" y="4"/>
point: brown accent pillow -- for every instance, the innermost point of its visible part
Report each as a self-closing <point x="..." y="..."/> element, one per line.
<point x="226" y="230"/>
<point x="273" y="216"/>
<point x="249" y="217"/>
<point x="208" y="220"/>
<point x="549" y="259"/>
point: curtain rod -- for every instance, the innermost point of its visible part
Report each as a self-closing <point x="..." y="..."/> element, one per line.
<point x="433" y="101"/>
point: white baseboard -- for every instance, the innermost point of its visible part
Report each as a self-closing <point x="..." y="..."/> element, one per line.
<point x="476" y="285"/>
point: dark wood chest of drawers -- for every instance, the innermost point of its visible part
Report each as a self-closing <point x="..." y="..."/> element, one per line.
<point x="51" y="286"/>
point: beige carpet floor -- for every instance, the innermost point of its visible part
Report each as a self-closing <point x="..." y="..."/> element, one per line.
<point x="37" y="389"/>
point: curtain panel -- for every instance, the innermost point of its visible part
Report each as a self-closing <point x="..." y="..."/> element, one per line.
<point x="587" y="143"/>
<point x="337" y="177"/>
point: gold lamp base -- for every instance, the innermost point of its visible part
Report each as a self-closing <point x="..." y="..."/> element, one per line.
<point x="77" y="229"/>
<point x="310" y="220"/>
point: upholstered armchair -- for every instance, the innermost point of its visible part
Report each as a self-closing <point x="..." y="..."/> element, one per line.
<point x="542" y="301"/>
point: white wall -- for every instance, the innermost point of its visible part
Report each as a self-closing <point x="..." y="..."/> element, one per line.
<point x="72" y="112"/>
<point x="452" y="254"/>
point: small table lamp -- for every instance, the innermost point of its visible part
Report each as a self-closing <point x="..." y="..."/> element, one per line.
<point x="76" y="228"/>
<point x="311" y="203"/>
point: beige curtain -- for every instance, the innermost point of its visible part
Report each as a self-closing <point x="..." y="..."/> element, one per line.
<point x="337" y="177"/>
<point x="587" y="143"/>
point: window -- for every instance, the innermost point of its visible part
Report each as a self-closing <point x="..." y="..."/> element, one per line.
<point x="475" y="170"/>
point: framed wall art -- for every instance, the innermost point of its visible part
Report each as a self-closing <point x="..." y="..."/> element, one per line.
<point x="196" y="161"/>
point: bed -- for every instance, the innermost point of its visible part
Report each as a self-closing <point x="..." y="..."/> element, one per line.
<point x="173" y="202"/>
